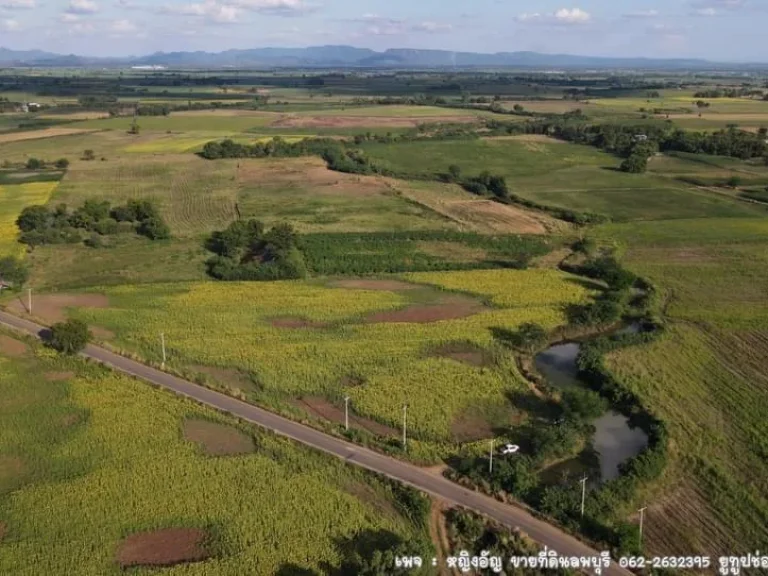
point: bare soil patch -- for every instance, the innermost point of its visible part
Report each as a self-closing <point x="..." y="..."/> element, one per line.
<point x="382" y="285"/>
<point x="295" y="323"/>
<point x="69" y="420"/>
<point x="37" y="134"/>
<point x="226" y="376"/>
<point x="53" y="307"/>
<point x="470" y="425"/>
<point x="224" y="113"/>
<point x="166" y="547"/>
<point x="218" y="439"/>
<point x="446" y="308"/>
<point x="12" y="347"/>
<point x="58" y="376"/>
<point x="364" y="121"/>
<point x="464" y="352"/>
<point x="322" y="408"/>
<point x="12" y="469"/>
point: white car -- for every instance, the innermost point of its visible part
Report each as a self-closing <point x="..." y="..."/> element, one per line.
<point x="510" y="449"/>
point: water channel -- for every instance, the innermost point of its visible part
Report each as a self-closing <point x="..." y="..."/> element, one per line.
<point x="615" y="441"/>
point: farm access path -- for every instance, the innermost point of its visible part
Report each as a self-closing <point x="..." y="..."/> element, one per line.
<point x="409" y="474"/>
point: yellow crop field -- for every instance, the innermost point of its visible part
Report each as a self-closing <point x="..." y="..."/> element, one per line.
<point x="96" y="457"/>
<point x="168" y="145"/>
<point x="304" y="339"/>
<point x="510" y="288"/>
<point x="13" y="199"/>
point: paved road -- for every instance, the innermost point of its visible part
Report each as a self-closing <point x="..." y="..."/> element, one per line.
<point x="428" y="482"/>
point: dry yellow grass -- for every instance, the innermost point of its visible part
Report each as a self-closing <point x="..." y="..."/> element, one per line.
<point x="37" y="134"/>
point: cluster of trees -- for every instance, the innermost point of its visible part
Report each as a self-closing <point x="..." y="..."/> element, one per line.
<point x="729" y="93"/>
<point x="39" y="164"/>
<point x="277" y="147"/>
<point x="622" y="139"/>
<point x="69" y="337"/>
<point x="40" y="225"/>
<point x="245" y="250"/>
<point x="482" y="184"/>
<point x="639" y="154"/>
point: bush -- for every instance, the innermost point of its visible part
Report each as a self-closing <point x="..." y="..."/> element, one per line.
<point x="635" y="164"/>
<point x="582" y="404"/>
<point x="106" y="227"/>
<point x="154" y="229"/>
<point x="62" y="163"/>
<point x="13" y="272"/>
<point x="69" y="337"/>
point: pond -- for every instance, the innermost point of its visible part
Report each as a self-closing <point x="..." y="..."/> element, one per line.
<point x="615" y="441"/>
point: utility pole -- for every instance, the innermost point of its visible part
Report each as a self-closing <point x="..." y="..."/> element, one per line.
<point x="162" y="342"/>
<point x="490" y="464"/>
<point x="346" y="413"/>
<point x="29" y="300"/>
<point x="642" y="513"/>
<point x="405" y="427"/>
<point x="583" y="493"/>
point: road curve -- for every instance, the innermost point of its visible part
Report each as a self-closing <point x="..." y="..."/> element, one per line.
<point x="511" y="516"/>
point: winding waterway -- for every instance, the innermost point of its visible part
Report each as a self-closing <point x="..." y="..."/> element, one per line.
<point x="615" y="441"/>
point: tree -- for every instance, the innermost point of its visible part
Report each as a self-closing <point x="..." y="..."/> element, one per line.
<point x="582" y="404"/>
<point x="33" y="218"/>
<point x="62" y="163"/>
<point x="69" y="337"/>
<point x="35" y="164"/>
<point x="635" y="164"/>
<point x="454" y="172"/>
<point x="518" y="108"/>
<point x="13" y="272"/>
<point x="89" y="155"/>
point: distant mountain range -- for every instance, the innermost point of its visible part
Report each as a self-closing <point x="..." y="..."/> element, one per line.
<point x="350" y="57"/>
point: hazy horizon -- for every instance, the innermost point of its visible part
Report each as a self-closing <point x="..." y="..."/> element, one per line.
<point x="719" y="30"/>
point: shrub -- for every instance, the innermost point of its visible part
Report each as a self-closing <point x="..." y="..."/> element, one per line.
<point x="13" y="272"/>
<point x="62" y="163"/>
<point x="582" y="404"/>
<point x="154" y="228"/>
<point x="69" y="337"/>
<point x="33" y="218"/>
<point x="35" y="164"/>
<point x="89" y="155"/>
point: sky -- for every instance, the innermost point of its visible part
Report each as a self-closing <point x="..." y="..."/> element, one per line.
<point x="722" y="30"/>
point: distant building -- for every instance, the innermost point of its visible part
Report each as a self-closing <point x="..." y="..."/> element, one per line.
<point x="32" y="106"/>
<point x="640" y="138"/>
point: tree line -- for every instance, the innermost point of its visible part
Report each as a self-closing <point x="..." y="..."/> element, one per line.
<point x="40" y="225"/>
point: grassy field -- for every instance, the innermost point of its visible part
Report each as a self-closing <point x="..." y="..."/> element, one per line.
<point x="13" y="199"/>
<point x="76" y="436"/>
<point x="561" y="174"/>
<point x="301" y="339"/>
<point x="705" y="377"/>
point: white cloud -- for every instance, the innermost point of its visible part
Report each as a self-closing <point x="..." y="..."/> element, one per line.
<point x="431" y="27"/>
<point x="209" y="10"/>
<point x="18" y="4"/>
<point x="642" y="14"/>
<point x="69" y="18"/>
<point x="715" y="7"/>
<point x="9" y="25"/>
<point x="82" y="7"/>
<point x="565" y="16"/>
<point x="705" y="12"/>
<point x="572" y="16"/>
<point x="276" y="7"/>
<point x="122" y="27"/>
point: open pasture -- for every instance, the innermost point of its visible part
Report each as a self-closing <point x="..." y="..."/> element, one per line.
<point x="109" y="457"/>
<point x="705" y="377"/>
<point x="381" y="337"/>
<point x="560" y="174"/>
<point x="194" y="196"/>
